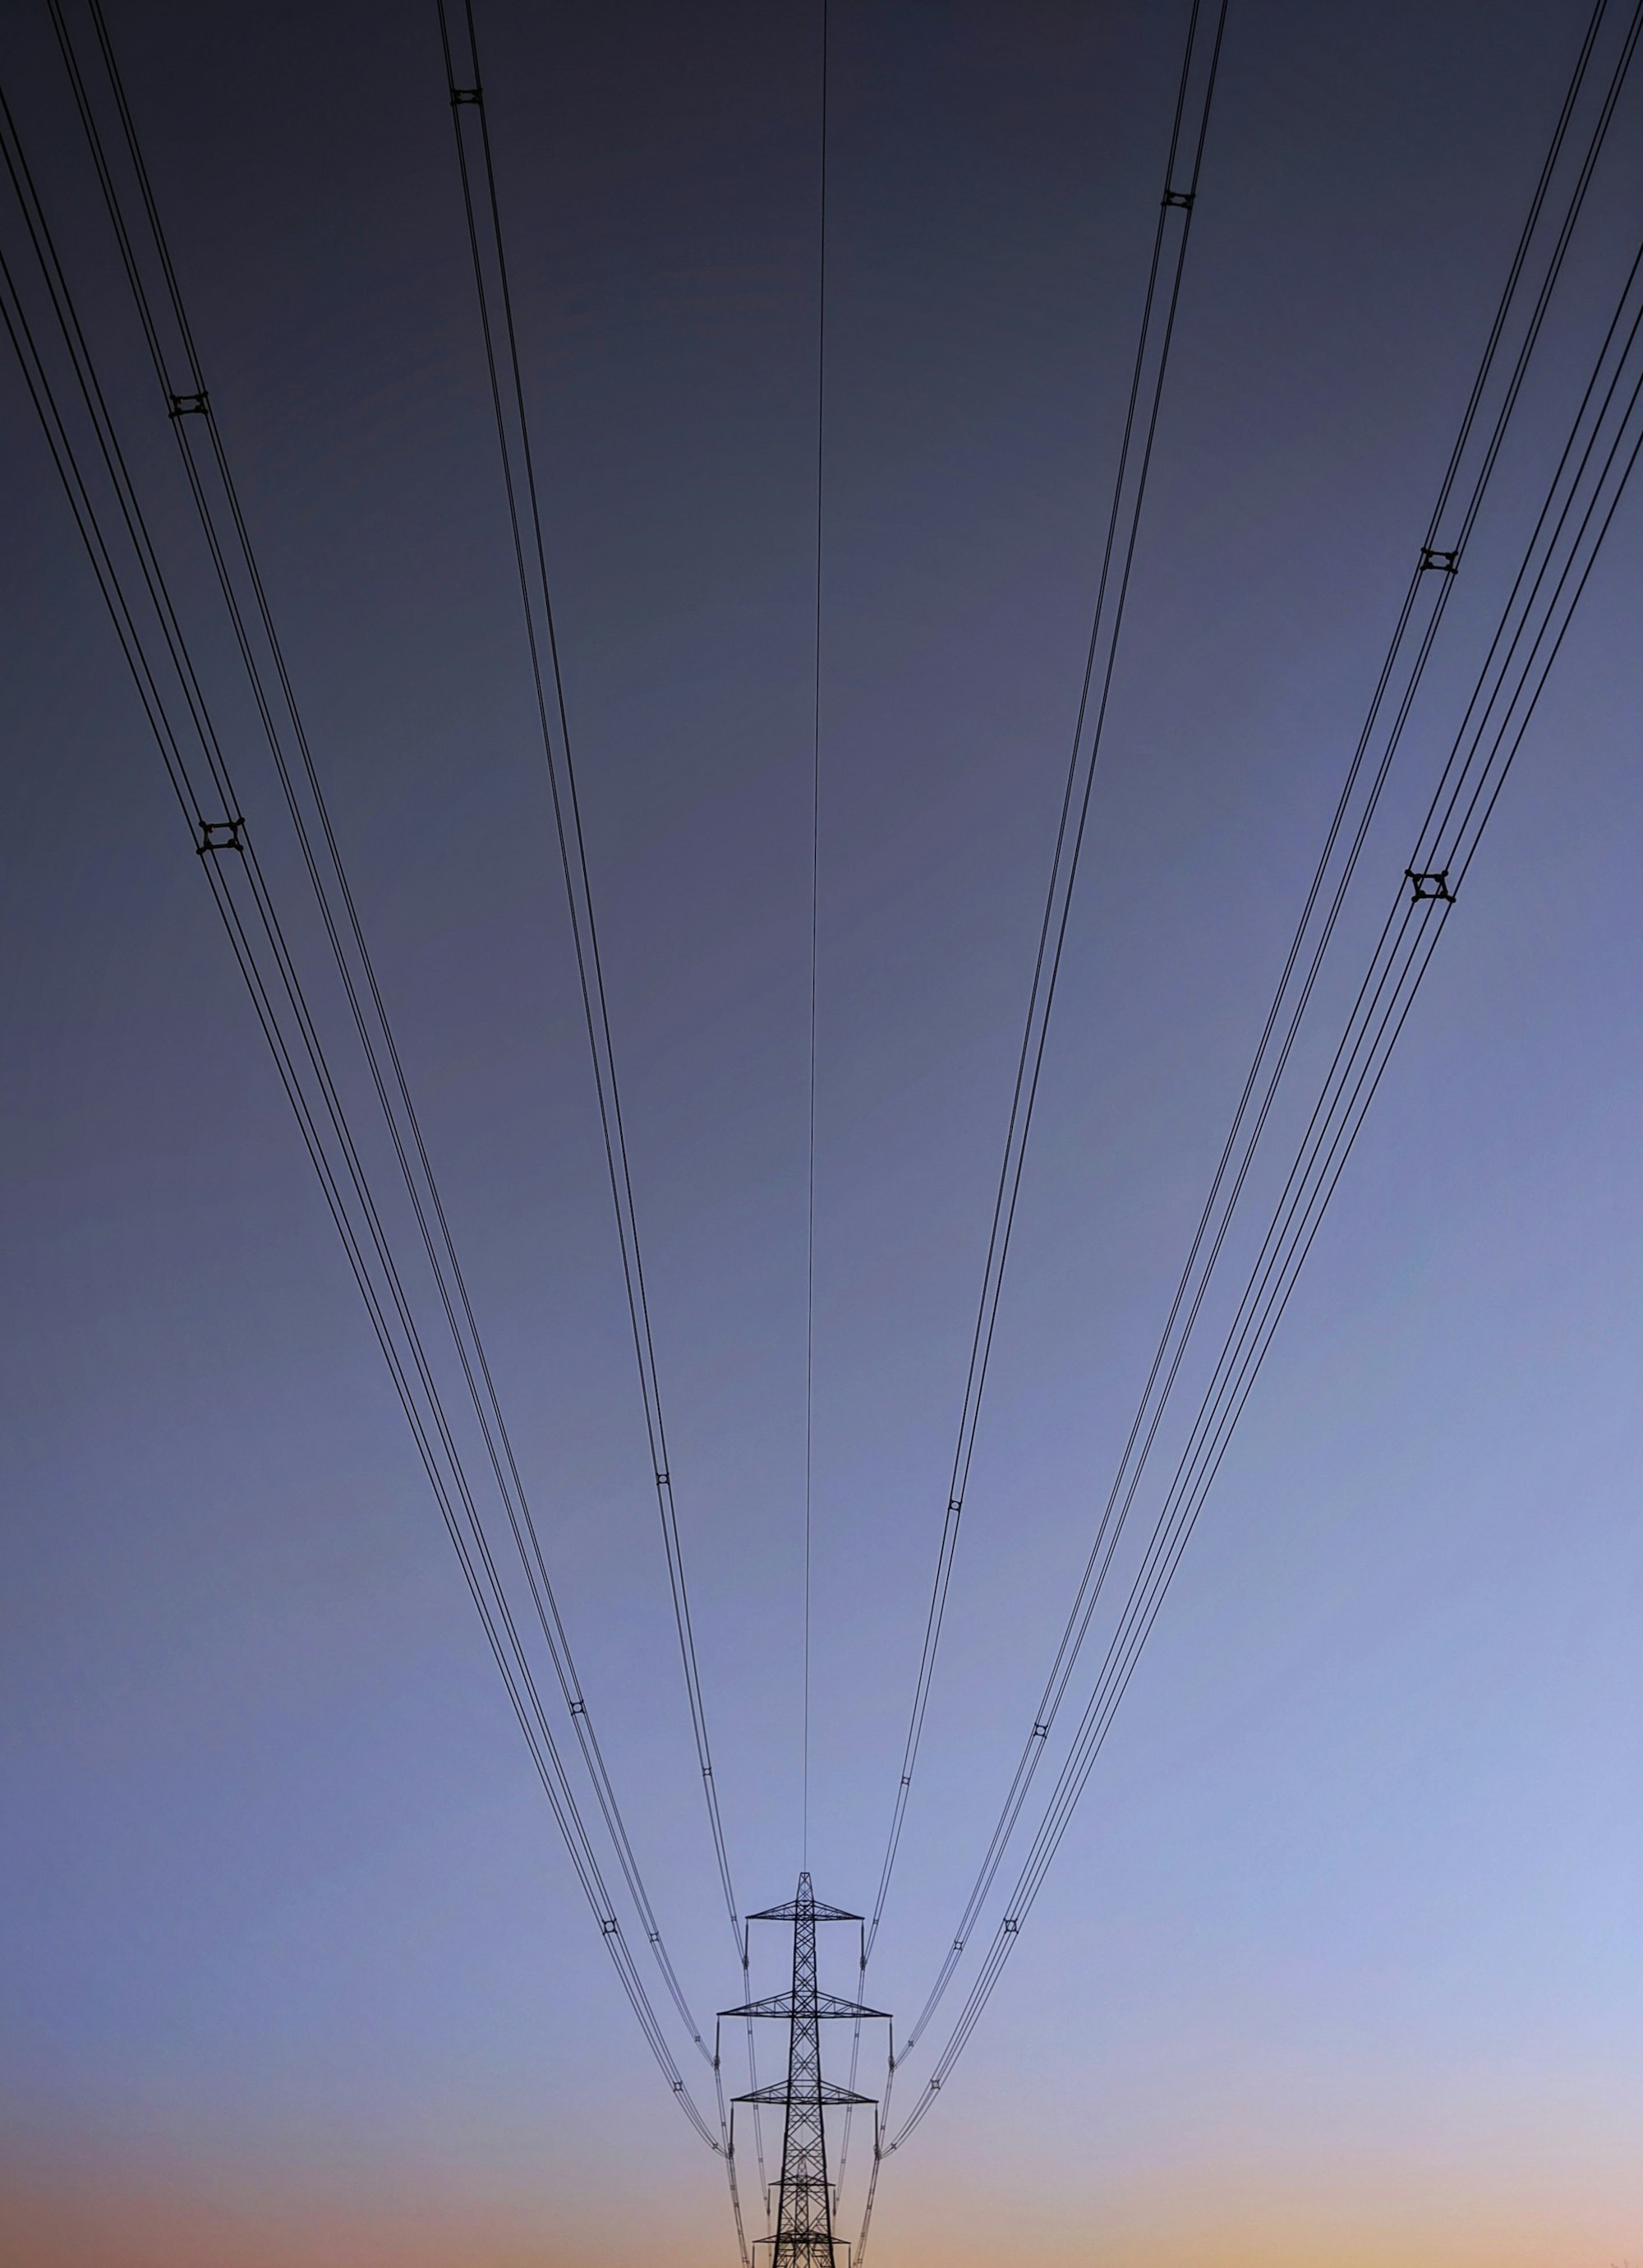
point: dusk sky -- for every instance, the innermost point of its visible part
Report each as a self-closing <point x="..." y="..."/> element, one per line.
<point x="1340" y="1964"/>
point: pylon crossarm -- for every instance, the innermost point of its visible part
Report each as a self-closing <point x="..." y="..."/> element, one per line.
<point x="815" y="2004"/>
<point x="828" y="2094"/>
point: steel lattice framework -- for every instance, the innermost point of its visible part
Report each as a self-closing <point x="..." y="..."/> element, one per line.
<point x="804" y="2207"/>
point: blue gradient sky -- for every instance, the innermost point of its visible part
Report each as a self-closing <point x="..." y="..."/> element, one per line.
<point x="1340" y="1964"/>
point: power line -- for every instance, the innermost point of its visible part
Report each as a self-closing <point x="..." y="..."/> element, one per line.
<point x="1417" y="624"/>
<point x="489" y="257"/>
<point x="1195" y="85"/>
<point x="809" y="1164"/>
<point x="1445" y="562"/>
<point x="1558" y="560"/>
<point x="1199" y="65"/>
<point x="487" y="251"/>
<point x="227" y="849"/>
<point x="1208" y="1237"/>
<point x="215" y="839"/>
<point x="464" y="1327"/>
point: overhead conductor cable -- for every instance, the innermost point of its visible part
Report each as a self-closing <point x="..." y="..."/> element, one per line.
<point x="488" y="252"/>
<point x="1583" y="494"/>
<point x="1396" y="688"/>
<point x="228" y="852"/>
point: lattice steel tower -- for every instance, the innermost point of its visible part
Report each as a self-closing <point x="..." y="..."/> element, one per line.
<point x="804" y="2207"/>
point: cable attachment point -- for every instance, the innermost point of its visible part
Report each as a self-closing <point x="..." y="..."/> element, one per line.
<point x="1182" y="199"/>
<point x="188" y="405"/>
<point x="1430" y="885"/>
<point x="611" y="1926"/>
<point x="1040" y="1732"/>
<point x="221" y="834"/>
<point x="1447" y="563"/>
<point x="1011" y="1928"/>
<point x="461" y="95"/>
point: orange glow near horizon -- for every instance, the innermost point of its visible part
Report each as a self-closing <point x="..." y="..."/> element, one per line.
<point x="130" y="2221"/>
<point x="53" y="2219"/>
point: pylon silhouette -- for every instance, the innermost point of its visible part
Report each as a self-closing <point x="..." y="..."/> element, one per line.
<point x="804" y="2203"/>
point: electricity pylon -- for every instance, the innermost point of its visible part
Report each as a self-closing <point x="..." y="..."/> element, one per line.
<point x="804" y="2206"/>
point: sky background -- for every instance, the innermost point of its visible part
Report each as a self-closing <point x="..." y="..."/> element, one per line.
<point x="1340" y="1964"/>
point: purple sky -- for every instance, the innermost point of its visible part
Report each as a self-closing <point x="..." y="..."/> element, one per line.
<point x="1339" y="1963"/>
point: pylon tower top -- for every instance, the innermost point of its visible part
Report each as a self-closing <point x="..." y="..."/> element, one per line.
<point x="806" y="1901"/>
